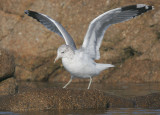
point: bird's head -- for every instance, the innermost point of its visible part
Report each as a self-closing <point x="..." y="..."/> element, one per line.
<point x="64" y="51"/>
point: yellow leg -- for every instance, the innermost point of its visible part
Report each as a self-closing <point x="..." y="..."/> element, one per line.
<point x="68" y="83"/>
<point x="89" y="83"/>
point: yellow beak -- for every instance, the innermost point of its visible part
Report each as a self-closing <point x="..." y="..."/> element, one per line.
<point x="56" y="59"/>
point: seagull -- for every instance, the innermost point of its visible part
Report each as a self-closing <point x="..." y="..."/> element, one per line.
<point x="80" y="63"/>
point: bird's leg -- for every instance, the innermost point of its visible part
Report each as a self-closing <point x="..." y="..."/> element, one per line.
<point x="68" y="83"/>
<point x="89" y="83"/>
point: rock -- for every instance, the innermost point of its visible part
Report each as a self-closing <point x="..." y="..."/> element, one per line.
<point x="48" y="99"/>
<point x="8" y="87"/>
<point x="148" y="101"/>
<point x="7" y="68"/>
<point x="137" y="71"/>
<point x="6" y="6"/>
<point x="35" y="97"/>
<point x="7" y="65"/>
<point x="35" y="47"/>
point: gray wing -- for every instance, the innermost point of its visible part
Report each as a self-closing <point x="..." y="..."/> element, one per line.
<point x="98" y="26"/>
<point x="53" y="26"/>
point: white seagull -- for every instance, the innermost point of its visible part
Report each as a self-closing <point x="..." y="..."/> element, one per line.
<point x="80" y="62"/>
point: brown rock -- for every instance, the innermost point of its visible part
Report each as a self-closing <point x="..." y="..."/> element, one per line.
<point x="13" y="7"/>
<point x="137" y="71"/>
<point x="32" y="98"/>
<point x="148" y="101"/>
<point x="7" y="65"/>
<point x="8" y="87"/>
<point x="43" y="99"/>
<point x="35" y="47"/>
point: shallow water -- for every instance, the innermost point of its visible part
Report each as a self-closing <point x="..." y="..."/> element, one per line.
<point x="123" y="90"/>
<point x="114" y="111"/>
<point x="119" y="89"/>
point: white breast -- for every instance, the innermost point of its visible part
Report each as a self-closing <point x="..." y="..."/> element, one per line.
<point x="80" y="66"/>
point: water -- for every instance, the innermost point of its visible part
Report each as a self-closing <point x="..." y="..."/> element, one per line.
<point x="119" y="89"/>
<point x="123" y="90"/>
<point x="114" y="111"/>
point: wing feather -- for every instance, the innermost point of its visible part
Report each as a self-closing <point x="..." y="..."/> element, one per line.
<point x="98" y="26"/>
<point x="53" y="26"/>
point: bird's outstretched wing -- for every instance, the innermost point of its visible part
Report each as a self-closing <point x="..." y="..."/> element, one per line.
<point x="53" y="26"/>
<point x="98" y="26"/>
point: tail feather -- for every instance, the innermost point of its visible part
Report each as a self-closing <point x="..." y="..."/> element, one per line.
<point x="102" y="67"/>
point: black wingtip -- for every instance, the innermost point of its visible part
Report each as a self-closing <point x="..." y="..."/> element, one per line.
<point x="151" y="7"/>
<point x="139" y="8"/>
<point x="30" y="13"/>
<point x="26" y="11"/>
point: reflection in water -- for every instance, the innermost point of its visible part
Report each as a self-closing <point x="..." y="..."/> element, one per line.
<point x="8" y="113"/>
<point x="113" y="111"/>
<point x="131" y="111"/>
<point x="123" y="90"/>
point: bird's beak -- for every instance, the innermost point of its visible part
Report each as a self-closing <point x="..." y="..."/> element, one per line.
<point x="56" y="58"/>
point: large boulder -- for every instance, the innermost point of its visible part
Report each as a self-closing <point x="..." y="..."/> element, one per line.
<point x="8" y="84"/>
<point x="34" y="46"/>
<point x="32" y="98"/>
<point x="137" y="71"/>
<point x="63" y="99"/>
<point x="8" y="87"/>
<point x="7" y="64"/>
<point x="151" y="101"/>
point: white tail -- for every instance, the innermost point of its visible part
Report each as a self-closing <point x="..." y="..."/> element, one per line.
<point x="100" y="67"/>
